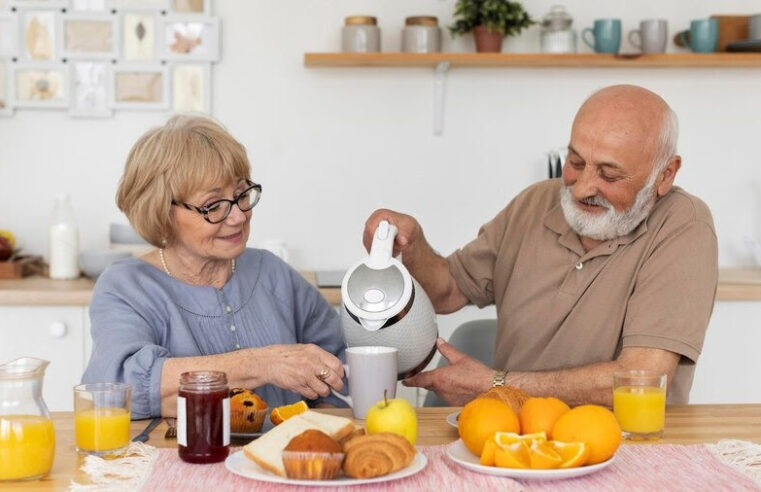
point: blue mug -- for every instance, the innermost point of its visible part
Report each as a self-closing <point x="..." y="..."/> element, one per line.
<point x="703" y="35"/>
<point x="606" y="36"/>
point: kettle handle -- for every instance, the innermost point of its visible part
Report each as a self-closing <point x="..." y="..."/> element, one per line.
<point x="382" y="248"/>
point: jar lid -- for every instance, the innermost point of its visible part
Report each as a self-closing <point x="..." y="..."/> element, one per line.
<point x="365" y="20"/>
<point x="421" y="20"/>
<point x="557" y="18"/>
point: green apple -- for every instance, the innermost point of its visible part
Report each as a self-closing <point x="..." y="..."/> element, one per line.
<point x="395" y="415"/>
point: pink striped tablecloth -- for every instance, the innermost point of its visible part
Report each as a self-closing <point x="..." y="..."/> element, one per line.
<point x="637" y="467"/>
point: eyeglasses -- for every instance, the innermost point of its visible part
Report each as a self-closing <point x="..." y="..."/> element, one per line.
<point x="218" y="210"/>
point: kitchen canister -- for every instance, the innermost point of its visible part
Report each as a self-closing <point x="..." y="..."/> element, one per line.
<point x="557" y="36"/>
<point x="421" y="34"/>
<point x="360" y="34"/>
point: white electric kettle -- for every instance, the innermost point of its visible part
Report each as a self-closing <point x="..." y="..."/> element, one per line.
<point x="384" y="306"/>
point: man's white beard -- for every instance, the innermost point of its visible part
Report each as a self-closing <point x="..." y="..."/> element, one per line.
<point x="609" y="224"/>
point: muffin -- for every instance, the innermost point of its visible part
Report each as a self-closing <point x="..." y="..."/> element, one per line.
<point x="312" y="455"/>
<point x="247" y="411"/>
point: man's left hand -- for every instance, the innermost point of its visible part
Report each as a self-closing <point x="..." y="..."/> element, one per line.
<point x="459" y="382"/>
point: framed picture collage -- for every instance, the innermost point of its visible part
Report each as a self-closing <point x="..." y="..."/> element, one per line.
<point x="92" y="57"/>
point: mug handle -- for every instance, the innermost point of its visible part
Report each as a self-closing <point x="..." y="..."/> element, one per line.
<point x="683" y="37"/>
<point x="635" y="38"/>
<point x="345" y="398"/>
<point x="584" y="37"/>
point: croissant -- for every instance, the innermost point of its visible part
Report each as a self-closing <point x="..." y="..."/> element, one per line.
<point x="511" y="395"/>
<point x="376" y="454"/>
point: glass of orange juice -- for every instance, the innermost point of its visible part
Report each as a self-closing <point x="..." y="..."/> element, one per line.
<point x="101" y="417"/>
<point x="639" y="402"/>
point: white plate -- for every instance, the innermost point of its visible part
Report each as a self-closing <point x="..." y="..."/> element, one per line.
<point x="461" y="455"/>
<point x="452" y="419"/>
<point x="245" y="435"/>
<point x="240" y="465"/>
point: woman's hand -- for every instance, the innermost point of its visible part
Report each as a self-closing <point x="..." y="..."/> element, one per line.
<point x="302" y="368"/>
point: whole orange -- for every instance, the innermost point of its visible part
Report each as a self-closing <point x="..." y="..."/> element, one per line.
<point x="594" y="425"/>
<point x="540" y="414"/>
<point x="481" y="418"/>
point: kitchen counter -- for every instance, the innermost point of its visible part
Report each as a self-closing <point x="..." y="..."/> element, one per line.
<point x="735" y="284"/>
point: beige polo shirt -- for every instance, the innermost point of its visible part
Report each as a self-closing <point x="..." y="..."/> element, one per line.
<point x="559" y="306"/>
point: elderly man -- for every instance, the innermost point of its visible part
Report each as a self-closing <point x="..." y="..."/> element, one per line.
<point x="610" y="268"/>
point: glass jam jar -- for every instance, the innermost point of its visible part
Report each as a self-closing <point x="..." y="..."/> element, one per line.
<point x="557" y="36"/>
<point x="203" y="417"/>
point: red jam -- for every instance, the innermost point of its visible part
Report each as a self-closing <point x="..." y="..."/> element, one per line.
<point x="203" y="423"/>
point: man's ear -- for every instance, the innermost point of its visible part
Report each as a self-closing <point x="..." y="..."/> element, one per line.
<point x="666" y="179"/>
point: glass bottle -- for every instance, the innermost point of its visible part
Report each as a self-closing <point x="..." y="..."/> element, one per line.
<point x="203" y="417"/>
<point x="557" y="36"/>
<point x="27" y="436"/>
<point x="63" y="241"/>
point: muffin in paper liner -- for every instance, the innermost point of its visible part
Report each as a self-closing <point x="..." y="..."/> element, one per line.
<point x="312" y="465"/>
<point x="246" y="420"/>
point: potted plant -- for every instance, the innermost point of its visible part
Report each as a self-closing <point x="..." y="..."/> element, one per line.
<point x="490" y="21"/>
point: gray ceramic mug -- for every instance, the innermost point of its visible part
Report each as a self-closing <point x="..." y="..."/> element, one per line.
<point x="651" y="37"/>
<point x="370" y="371"/>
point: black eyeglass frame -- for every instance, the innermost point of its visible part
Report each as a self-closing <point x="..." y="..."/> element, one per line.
<point x="204" y="211"/>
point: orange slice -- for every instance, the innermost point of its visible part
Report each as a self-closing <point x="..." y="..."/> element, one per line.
<point x="280" y="414"/>
<point x="542" y="456"/>
<point x="506" y="438"/>
<point x="573" y="454"/>
<point x="512" y="456"/>
<point x="487" y="455"/>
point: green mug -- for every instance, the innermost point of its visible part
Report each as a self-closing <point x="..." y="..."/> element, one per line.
<point x="606" y="36"/>
<point x="702" y="37"/>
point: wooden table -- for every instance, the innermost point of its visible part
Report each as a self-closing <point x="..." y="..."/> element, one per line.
<point x="685" y="424"/>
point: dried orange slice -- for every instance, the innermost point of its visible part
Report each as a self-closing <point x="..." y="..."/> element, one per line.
<point x="573" y="453"/>
<point x="512" y="456"/>
<point x="506" y="438"/>
<point x="542" y="456"/>
<point x="279" y="414"/>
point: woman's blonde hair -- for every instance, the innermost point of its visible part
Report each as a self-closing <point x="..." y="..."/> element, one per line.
<point x="172" y="162"/>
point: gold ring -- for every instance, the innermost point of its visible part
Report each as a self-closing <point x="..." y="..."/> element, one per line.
<point x="323" y="374"/>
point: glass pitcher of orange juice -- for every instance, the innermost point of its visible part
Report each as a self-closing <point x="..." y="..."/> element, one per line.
<point x="27" y="437"/>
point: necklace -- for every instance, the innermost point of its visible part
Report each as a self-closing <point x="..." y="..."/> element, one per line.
<point x="166" y="269"/>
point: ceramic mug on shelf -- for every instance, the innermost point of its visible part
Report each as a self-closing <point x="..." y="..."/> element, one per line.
<point x="606" y="36"/>
<point x="651" y="37"/>
<point x="702" y="37"/>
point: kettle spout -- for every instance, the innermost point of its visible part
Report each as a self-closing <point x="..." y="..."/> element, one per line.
<point x="371" y="324"/>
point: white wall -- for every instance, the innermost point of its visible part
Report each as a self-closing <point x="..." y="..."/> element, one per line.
<point x="330" y="145"/>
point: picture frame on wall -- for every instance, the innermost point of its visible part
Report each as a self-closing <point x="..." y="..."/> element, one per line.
<point x="190" y="7"/>
<point x="138" y="33"/>
<point x="39" y="35"/>
<point x="139" y="87"/>
<point x="37" y="85"/>
<point x="189" y="38"/>
<point x="191" y="88"/>
<point x="6" y="88"/>
<point x="90" y="85"/>
<point x="8" y="35"/>
<point x="156" y="5"/>
<point x="91" y="36"/>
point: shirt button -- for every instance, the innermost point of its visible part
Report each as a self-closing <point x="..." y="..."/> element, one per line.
<point x="237" y="345"/>
<point x="232" y="327"/>
<point x="579" y="265"/>
<point x="228" y="309"/>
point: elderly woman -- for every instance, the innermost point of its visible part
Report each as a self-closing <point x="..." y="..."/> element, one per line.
<point x="203" y="300"/>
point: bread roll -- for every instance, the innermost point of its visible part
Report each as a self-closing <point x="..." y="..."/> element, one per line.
<point x="377" y="454"/>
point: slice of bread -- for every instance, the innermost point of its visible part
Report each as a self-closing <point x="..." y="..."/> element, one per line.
<point x="267" y="450"/>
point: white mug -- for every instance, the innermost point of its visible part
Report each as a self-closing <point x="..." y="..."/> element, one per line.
<point x="370" y="371"/>
<point x="651" y="37"/>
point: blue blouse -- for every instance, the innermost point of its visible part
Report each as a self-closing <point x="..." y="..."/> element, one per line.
<point x="140" y="316"/>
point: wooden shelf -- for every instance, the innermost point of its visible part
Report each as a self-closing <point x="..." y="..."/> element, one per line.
<point x="584" y="60"/>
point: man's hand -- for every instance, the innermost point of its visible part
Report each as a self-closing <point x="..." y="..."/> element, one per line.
<point x="459" y="382"/>
<point x="409" y="230"/>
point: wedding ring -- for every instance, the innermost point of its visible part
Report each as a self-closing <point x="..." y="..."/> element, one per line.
<point x="323" y="374"/>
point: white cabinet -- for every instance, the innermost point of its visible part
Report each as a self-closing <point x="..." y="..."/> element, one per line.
<point x="53" y="333"/>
